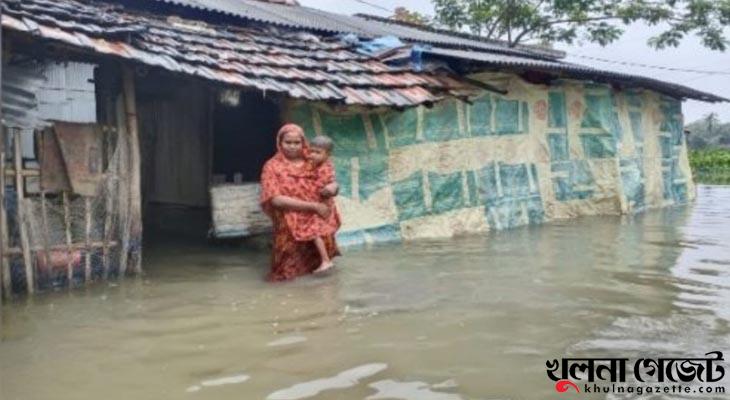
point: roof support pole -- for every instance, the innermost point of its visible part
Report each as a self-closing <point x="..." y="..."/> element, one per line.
<point x="135" y="186"/>
<point x="23" y="213"/>
<point x="4" y="243"/>
<point x="5" y="280"/>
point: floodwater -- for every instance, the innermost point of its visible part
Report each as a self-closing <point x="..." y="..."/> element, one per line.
<point x="469" y="318"/>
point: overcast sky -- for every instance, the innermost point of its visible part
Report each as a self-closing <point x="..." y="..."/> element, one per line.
<point x="630" y="48"/>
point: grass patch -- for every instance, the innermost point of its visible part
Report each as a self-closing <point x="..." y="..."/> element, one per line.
<point x="711" y="166"/>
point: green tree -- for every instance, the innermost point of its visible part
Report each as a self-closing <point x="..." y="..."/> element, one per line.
<point x="599" y="21"/>
<point x="412" y="17"/>
<point x="708" y="131"/>
<point x="711" y="122"/>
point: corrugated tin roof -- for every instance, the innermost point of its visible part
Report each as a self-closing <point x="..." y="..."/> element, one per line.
<point x="453" y="45"/>
<point x="576" y="71"/>
<point x="300" y="17"/>
<point x="297" y="64"/>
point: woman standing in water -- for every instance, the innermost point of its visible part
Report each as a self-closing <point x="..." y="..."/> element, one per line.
<point x="285" y="180"/>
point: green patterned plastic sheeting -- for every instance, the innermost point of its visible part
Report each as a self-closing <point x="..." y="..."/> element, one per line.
<point x="302" y="114"/>
<point x="372" y="174"/>
<point x="493" y="115"/>
<point x="632" y="178"/>
<point x="598" y="145"/>
<point x="338" y="127"/>
<point x="672" y="142"/>
<point x="558" y="143"/>
<point x="601" y="117"/>
<point x="573" y="180"/>
<point x="511" y="195"/>
<point x="557" y="117"/>
<point x="401" y="127"/>
<point x="447" y="192"/>
<point x="480" y="117"/>
<point x="409" y="197"/>
<point x="441" y="122"/>
<point x="636" y="120"/>
<point x="478" y="181"/>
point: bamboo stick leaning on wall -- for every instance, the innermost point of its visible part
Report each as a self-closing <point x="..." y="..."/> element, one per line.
<point x="44" y="234"/>
<point x="22" y="213"/>
<point x="4" y="242"/>
<point x="4" y="290"/>
<point x="122" y="194"/>
<point x="109" y="201"/>
<point x="135" y="186"/>
<point x="87" y="258"/>
<point x="69" y="250"/>
<point x="44" y="213"/>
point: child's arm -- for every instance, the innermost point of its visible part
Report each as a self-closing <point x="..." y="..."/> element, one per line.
<point x="327" y="173"/>
<point x="327" y="180"/>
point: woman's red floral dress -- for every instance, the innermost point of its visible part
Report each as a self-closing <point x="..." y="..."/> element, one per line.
<point x="282" y="177"/>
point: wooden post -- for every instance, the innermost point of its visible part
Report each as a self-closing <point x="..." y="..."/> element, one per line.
<point x="44" y="212"/>
<point x="44" y="228"/>
<point x="22" y="214"/>
<point x="67" y="223"/>
<point x="4" y="241"/>
<point x="123" y="190"/>
<point x="135" y="187"/>
<point x="109" y="203"/>
<point x="87" y="258"/>
<point x="4" y="291"/>
<point x="211" y="134"/>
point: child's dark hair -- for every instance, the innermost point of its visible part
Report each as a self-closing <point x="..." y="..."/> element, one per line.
<point x="322" y="142"/>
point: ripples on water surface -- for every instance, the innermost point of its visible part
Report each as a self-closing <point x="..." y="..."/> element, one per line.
<point x="469" y="318"/>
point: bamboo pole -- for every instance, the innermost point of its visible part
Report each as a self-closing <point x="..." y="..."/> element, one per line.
<point x="44" y="208"/>
<point x="4" y="291"/>
<point x="44" y="234"/>
<point x="22" y="215"/>
<point x="87" y="258"/>
<point x="211" y="134"/>
<point x="108" y="205"/>
<point x="122" y="187"/>
<point x="67" y="225"/>
<point x="135" y="195"/>
<point x="4" y="240"/>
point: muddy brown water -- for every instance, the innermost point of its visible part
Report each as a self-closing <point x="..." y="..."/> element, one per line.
<point x="468" y="318"/>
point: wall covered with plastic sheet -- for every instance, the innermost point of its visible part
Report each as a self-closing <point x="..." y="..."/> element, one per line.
<point x="536" y="154"/>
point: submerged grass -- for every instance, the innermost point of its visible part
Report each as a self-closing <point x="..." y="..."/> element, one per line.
<point x="711" y="166"/>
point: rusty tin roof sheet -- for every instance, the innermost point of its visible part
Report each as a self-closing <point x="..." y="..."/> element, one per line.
<point x="301" y="17"/>
<point x="298" y="64"/>
<point x="448" y="44"/>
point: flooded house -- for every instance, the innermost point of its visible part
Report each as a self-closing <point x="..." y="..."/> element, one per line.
<point x="129" y="116"/>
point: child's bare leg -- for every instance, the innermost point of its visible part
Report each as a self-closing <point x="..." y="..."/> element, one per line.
<point x="326" y="262"/>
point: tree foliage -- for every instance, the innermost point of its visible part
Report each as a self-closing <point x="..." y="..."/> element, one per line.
<point x="708" y="132"/>
<point x="599" y="21"/>
<point x="412" y="17"/>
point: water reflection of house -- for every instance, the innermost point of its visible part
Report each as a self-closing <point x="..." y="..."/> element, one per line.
<point x="119" y="109"/>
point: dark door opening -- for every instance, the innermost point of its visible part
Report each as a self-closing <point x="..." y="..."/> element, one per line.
<point x="244" y="136"/>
